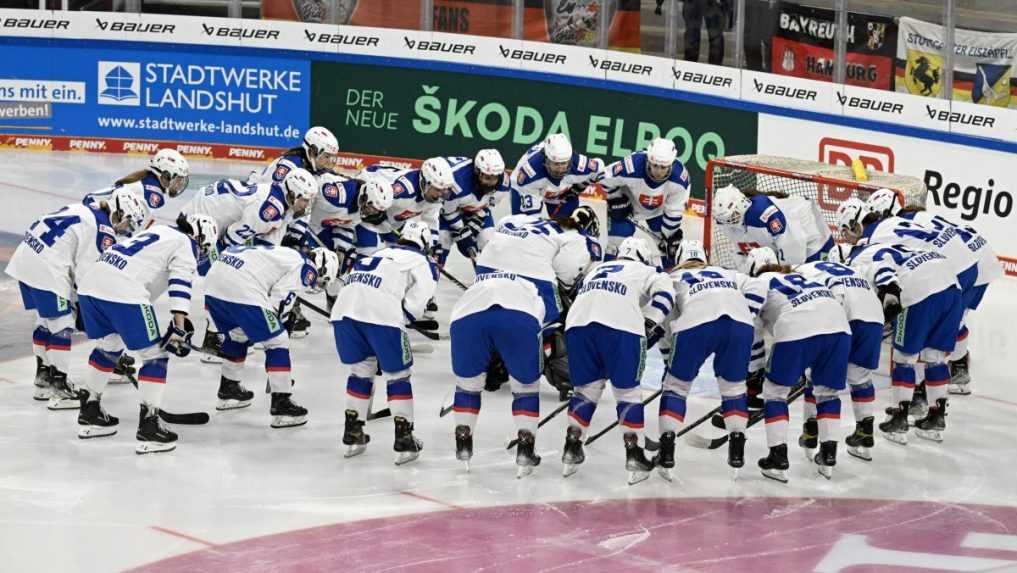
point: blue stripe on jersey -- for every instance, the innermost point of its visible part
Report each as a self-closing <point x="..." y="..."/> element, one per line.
<point x="755" y="297"/>
<point x="665" y="296"/>
<point x="180" y="282"/>
<point x="180" y="294"/>
<point x="661" y="307"/>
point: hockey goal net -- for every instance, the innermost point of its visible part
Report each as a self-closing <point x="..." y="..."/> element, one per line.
<point x="827" y="185"/>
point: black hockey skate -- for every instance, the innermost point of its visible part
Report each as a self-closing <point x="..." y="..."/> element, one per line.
<point x="826" y="458"/>
<point x="298" y="326"/>
<point x="526" y="458"/>
<point x="407" y="447"/>
<point x="638" y="466"/>
<point x="232" y="395"/>
<point x="212" y="346"/>
<point x="932" y="426"/>
<point x="572" y="454"/>
<point x="736" y="451"/>
<point x="65" y="395"/>
<point x="775" y="465"/>
<point x="861" y="441"/>
<point x="809" y="440"/>
<point x="285" y="412"/>
<point x="960" y="378"/>
<point x="919" y="404"/>
<point x="464" y="444"/>
<point x="895" y="428"/>
<point x="43" y="382"/>
<point x="354" y="437"/>
<point x="123" y="371"/>
<point x="664" y="460"/>
<point x="152" y="435"/>
<point x="93" y="421"/>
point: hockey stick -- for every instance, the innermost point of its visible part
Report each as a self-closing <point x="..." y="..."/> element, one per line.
<point x="545" y="420"/>
<point x="188" y="419"/>
<point x="612" y="425"/>
<point x="697" y="441"/>
<point x="425" y="327"/>
<point x="452" y="279"/>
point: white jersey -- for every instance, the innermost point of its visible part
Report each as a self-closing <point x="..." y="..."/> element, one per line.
<point x="538" y="249"/>
<point x="140" y="269"/>
<point x="918" y="273"/>
<point x="506" y="290"/>
<point x="259" y="276"/>
<point x="855" y="292"/>
<point x="793" y="227"/>
<point x="147" y="189"/>
<point x="649" y="199"/>
<point x="389" y="288"/>
<point x="407" y="198"/>
<point x="796" y="308"/>
<point x="276" y="171"/>
<point x="620" y="294"/>
<point x="535" y="186"/>
<point x="989" y="267"/>
<point x="245" y="214"/>
<point x="60" y="247"/>
<point x="900" y="231"/>
<point x="710" y="293"/>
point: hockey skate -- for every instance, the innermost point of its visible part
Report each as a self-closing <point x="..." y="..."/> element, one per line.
<point x="464" y="445"/>
<point x="354" y="437"/>
<point x="93" y="421"/>
<point x="826" y="458"/>
<point x="407" y="447"/>
<point x="932" y="426"/>
<point x="152" y="435"/>
<point x="232" y="395"/>
<point x="572" y="455"/>
<point x="895" y="428"/>
<point x="960" y="378"/>
<point x="526" y="458"/>
<point x="809" y="440"/>
<point x="638" y="466"/>
<point x="64" y="394"/>
<point x="919" y="405"/>
<point x="736" y="453"/>
<point x="775" y="466"/>
<point x="298" y="325"/>
<point x="664" y="460"/>
<point x="861" y="441"/>
<point x="285" y="412"/>
<point x="212" y="346"/>
<point x="43" y="388"/>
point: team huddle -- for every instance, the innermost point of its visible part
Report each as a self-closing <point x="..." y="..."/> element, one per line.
<point x="798" y="315"/>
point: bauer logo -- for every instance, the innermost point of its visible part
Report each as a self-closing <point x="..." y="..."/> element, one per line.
<point x="531" y="56"/>
<point x="432" y="46"/>
<point x="616" y="66"/>
<point x="238" y="32"/>
<point x="784" y="91"/>
<point x="134" y="27"/>
<point x="340" y="39"/>
<point x="36" y="23"/>
<point x="119" y="83"/>
<point x="948" y="116"/>
<point x="870" y="104"/>
<point x="702" y="79"/>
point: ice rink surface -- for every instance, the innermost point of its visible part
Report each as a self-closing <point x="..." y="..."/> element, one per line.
<point x="237" y="495"/>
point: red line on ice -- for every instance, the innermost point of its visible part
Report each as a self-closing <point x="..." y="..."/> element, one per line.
<point x="183" y="536"/>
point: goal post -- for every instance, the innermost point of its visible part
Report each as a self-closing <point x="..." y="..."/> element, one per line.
<point x="827" y="185"/>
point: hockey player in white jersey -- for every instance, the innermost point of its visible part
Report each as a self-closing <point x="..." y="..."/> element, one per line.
<point x="616" y="315"/>
<point x="651" y="187"/>
<point x="466" y="215"/>
<point x="57" y="250"/>
<point x="550" y="174"/>
<point x="378" y="298"/>
<point x="249" y="293"/>
<point x="713" y="315"/>
<point x="318" y="154"/>
<point x="117" y="297"/>
<point x="792" y="226"/>
<point x="415" y="193"/>
<point x="865" y="317"/>
<point x="167" y="174"/>
<point x="810" y="332"/>
<point x="500" y="313"/>
<point x="342" y="211"/>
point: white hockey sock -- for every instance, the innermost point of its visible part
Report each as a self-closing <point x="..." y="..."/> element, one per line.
<point x="151" y="393"/>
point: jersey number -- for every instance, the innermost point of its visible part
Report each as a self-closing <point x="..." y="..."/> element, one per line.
<point x="367" y="264"/>
<point x="56" y="227"/>
<point x="793" y="285"/>
<point x="698" y="277"/>
<point x="131" y="248"/>
<point x="835" y="269"/>
<point x="606" y="270"/>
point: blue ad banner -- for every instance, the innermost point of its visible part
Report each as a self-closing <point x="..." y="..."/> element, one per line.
<point x="154" y="95"/>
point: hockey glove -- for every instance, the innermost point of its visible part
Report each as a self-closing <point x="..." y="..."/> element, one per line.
<point x="177" y="341"/>
<point x="619" y="208"/>
<point x="671" y="245"/>
<point x="653" y="332"/>
<point x="889" y="295"/>
<point x="125" y="366"/>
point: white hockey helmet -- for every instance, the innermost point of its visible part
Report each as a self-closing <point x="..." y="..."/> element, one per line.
<point x="758" y="258"/>
<point x="849" y="218"/>
<point x="489" y="162"/>
<point x="840" y="253"/>
<point x="128" y="212"/>
<point x="376" y="194"/>
<point x="326" y="268"/>
<point x="730" y="205"/>
<point x="301" y="184"/>
<point x="172" y="169"/>
<point x="204" y="230"/>
<point x="437" y="179"/>
<point x="691" y="250"/>
<point x="557" y="154"/>
<point x="660" y="157"/>
<point x="416" y="232"/>
<point x="321" y="148"/>
<point x="636" y="249"/>
<point x="886" y="202"/>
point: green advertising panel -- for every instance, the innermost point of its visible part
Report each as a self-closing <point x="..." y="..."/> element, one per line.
<point x="412" y="113"/>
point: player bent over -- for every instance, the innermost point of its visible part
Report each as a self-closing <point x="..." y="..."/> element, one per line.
<point x="379" y="296"/>
<point x="713" y="315"/>
<point x="57" y="248"/>
<point x="500" y="313"/>
<point x="117" y="296"/>
<point x="249" y="293"/>
<point x="617" y="303"/>
<point x="810" y="331"/>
